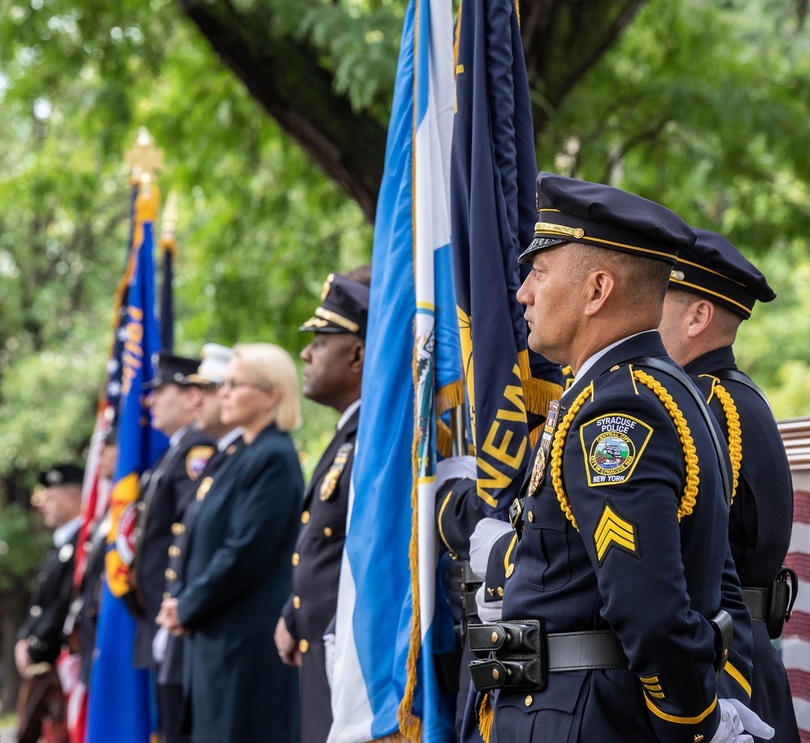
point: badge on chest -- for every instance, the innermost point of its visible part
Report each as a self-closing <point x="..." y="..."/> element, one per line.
<point x="331" y="478"/>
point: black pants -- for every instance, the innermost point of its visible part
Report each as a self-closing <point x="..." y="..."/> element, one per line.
<point x="170" y="708"/>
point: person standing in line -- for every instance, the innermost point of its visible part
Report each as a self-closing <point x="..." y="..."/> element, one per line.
<point x="166" y="490"/>
<point x="235" y="573"/>
<point x="40" y="638"/>
<point x="332" y="376"/>
<point x="712" y="290"/>
<point x="209" y="377"/>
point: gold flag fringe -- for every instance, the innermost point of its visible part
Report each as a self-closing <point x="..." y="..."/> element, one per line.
<point x="486" y="716"/>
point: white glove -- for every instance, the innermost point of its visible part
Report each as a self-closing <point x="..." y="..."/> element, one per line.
<point x="329" y="656"/>
<point x="735" y="719"/>
<point x="487" y="532"/>
<point x="159" y="643"/>
<point x="488" y="611"/>
<point x="453" y="467"/>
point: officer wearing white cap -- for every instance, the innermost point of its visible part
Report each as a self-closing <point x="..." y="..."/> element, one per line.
<point x="712" y="290"/>
<point x="332" y="375"/>
<point x="208" y="377"/>
<point x="612" y="625"/>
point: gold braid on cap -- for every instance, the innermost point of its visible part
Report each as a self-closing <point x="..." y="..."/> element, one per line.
<point x="733" y="428"/>
<point x="690" y="490"/>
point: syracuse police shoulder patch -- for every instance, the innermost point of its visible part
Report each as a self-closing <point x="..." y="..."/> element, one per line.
<point x="612" y="445"/>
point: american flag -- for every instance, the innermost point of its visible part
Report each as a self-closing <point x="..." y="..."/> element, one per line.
<point x="796" y="637"/>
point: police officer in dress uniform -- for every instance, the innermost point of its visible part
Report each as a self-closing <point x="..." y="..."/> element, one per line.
<point x="332" y="375"/>
<point x="166" y="491"/>
<point x="712" y="289"/>
<point x="208" y="377"/>
<point x="612" y="628"/>
<point x="40" y="638"/>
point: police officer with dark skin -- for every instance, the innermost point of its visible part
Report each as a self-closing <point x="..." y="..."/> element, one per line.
<point x="612" y="629"/>
<point x="166" y="491"/>
<point x="712" y="289"/>
<point x="332" y="376"/>
<point x="40" y="637"/>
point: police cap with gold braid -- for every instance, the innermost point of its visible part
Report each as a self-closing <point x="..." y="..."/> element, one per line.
<point x="570" y="210"/>
<point x="343" y="308"/>
<point x="715" y="269"/>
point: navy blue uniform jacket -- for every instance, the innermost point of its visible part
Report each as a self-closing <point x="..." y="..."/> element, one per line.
<point x="645" y="558"/>
<point x="760" y="521"/>
<point x="316" y="572"/>
<point x="175" y="488"/>
<point x="236" y="577"/>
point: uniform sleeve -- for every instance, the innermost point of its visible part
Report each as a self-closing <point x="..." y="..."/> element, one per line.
<point x="624" y="472"/>
<point x="264" y="507"/>
<point x="458" y="510"/>
<point x="736" y="678"/>
<point x="44" y="634"/>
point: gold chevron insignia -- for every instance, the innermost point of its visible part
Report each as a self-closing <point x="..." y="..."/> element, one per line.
<point x="614" y="531"/>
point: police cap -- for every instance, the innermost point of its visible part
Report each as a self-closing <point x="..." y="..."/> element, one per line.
<point x="172" y="369"/>
<point x="61" y="474"/>
<point x="715" y="269"/>
<point x="343" y="308"/>
<point x="213" y="366"/>
<point x="570" y="210"/>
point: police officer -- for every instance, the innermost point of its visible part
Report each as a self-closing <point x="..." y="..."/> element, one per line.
<point x="208" y="378"/>
<point x="40" y="638"/>
<point x="332" y="374"/>
<point x="166" y="491"/>
<point x="712" y="289"/>
<point x="612" y="628"/>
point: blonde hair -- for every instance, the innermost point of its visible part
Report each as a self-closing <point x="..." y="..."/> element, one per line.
<point x="272" y="367"/>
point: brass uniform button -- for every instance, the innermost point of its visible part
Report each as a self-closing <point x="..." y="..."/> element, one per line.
<point x="496" y="674"/>
<point x="178" y="528"/>
<point x="174" y="551"/>
<point x="303" y="646"/>
<point x="305" y="517"/>
<point x="296" y="558"/>
<point x="510" y="569"/>
<point x="528" y="700"/>
<point x="296" y="602"/>
<point x="327" y="532"/>
<point x="170" y="574"/>
<point x="500" y="591"/>
<point x="530" y="516"/>
<point x="494" y="637"/>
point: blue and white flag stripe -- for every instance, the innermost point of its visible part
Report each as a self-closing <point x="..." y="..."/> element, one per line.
<point x="388" y="625"/>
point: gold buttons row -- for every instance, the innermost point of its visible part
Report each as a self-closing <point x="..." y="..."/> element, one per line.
<point x="178" y="528"/>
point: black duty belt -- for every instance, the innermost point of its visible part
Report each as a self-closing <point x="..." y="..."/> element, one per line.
<point x="522" y="654"/>
<point x="774" y="604"/>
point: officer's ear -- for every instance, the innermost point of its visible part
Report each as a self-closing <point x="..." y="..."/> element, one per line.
<point x="699" y="317"/>
<point x="358" y="355"/>
<point x="600" y="284"/>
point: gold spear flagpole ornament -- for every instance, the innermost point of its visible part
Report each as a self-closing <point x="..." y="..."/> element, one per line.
<point x="168" y="223"/>
<point x="144" y="160"/>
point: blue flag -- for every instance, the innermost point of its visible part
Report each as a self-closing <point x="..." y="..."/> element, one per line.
<point x="494" y="167"/>
<point x="389" y="623"/>
<point x="121" y="703"/>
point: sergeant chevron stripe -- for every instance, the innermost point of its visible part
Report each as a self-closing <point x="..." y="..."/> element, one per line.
<point x="614" y="531"/>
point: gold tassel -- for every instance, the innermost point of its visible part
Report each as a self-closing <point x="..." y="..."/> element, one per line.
<point x="486" y="716"/>
<point x="449" y="396"/>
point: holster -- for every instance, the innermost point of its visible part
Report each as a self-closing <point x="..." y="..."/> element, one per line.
<point x="774" y="604"/>
<point x="723" y="635"/>
<point x="784" y="590"/>
<point x="524" y="645"/>
<point x="470" y="583"/>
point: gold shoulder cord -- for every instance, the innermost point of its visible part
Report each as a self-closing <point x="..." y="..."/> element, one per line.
<point x="690" y="490"/>
<point x="734" y="432"/>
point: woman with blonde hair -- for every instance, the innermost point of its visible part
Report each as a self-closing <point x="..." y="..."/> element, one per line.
<point x="236" y="574"/>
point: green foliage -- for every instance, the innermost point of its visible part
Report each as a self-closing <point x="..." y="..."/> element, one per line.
<point x="704" y="107"/>
<point x="22" y="546"/>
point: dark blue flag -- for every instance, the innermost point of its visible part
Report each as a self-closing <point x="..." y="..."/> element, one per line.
<point x="493" y="213"/>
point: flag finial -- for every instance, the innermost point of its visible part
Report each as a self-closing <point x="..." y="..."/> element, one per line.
<point x="144" y="159"/>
